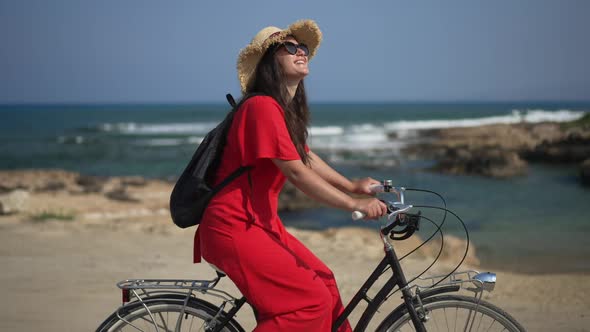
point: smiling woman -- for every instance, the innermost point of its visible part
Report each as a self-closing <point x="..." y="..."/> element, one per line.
<point x="240" y="231"/>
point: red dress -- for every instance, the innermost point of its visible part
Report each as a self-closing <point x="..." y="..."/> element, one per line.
<point x="242" y="234"/>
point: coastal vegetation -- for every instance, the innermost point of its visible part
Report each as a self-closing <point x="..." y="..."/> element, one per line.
<point x="60" y="215"/>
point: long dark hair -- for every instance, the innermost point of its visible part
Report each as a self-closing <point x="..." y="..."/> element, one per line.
<point x="270" y="80"/>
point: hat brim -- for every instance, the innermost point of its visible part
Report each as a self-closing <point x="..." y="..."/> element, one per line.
<point x="305" y="31"/>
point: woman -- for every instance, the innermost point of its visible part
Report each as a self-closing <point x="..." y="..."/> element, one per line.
<point x="240" y="232"/>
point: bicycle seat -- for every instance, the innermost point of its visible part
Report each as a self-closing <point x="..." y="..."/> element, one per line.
<point x="220" y="272"/>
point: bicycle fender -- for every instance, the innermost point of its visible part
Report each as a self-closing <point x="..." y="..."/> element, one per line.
<point x="438" y="290"/>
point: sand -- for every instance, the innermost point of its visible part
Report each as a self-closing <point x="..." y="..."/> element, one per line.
<point x="60" y="275"/>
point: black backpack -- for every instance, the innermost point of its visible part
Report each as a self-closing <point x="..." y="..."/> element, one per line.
<point x="193" y="189"/>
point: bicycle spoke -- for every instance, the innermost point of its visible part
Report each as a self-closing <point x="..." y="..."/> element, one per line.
<point x="459" y="313"/>
<point x="167" y="316"/>
<point x="457" y="319"/>
<point x="480" y="320"/>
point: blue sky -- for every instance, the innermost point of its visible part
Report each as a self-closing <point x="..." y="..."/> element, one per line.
<point x="113" y="51"/>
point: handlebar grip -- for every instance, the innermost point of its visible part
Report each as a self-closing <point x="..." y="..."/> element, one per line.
<point x="376" y="188"/>
<point x="357" y="215"/>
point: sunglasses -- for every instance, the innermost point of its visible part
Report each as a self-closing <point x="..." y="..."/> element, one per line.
<point x="292" y="48"/>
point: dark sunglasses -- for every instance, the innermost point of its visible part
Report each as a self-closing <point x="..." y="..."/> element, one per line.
<point x="292" y="48"/>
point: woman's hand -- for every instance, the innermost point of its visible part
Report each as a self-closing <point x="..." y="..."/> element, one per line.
<point x="371" y="207"/>
<point x="363" y="186"/>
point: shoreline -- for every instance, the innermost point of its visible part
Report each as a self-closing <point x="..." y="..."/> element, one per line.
<point x="71" y="198"/>
<point x="504" y="151"/>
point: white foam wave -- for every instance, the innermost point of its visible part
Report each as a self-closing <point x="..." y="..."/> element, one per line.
<point x="326" y="131"/>
<point x="536" y="116"/>
<point x="358" y="137"/>
<point x="162" y="142"/>
<point x="71" y="139"/>
<point x="517" y="116"/>
<point x="353" y="138"/>
<point x="132" y="128"/>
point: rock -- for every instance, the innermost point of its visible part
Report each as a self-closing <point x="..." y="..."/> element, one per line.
<point x="54" y="185"/>
<point x="492" y="162"/>
<point x="14" y="202"/>
<point x="8" y="188"/>
<point x="91" y="184"/>
<point x="292" y="199"/>
<point x="134" y="181"/>
<point x="37" y="180"/>
<point x="501" y="150"/>
<point x="571" y="148"/>
<point x="585" y="172"/>
<point x="121" y="194"/>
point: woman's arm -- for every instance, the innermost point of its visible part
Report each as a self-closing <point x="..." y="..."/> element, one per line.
<point x="312" y="184"/>
<point x="361" y="186"/>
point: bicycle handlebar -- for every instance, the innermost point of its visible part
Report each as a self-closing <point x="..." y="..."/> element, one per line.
<point x="393" y="208"/>
<point x="396" y="213"/>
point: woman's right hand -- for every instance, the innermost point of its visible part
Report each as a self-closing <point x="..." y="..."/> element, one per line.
<point x="371" y="207"/>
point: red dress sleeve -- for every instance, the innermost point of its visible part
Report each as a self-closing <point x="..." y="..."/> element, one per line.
<point x="263" y="133"/>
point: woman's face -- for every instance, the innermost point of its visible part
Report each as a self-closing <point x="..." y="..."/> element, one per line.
<point x="294" y="65"/>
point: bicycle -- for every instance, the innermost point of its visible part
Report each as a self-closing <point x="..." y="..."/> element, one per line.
<point x="174" y="305"/>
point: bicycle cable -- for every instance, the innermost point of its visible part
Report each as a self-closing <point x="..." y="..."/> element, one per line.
<point x="436" y="225"/>
<point x="466" y="247"/>
<point x="438" y="230"/>
<point x="441" y="224"/>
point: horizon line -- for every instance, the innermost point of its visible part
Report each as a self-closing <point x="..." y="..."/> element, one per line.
<point x="351" y="102"/>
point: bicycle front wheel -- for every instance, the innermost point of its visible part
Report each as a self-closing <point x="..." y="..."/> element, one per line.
<point x="165" y="315"/>
<point x="453" y="313"/>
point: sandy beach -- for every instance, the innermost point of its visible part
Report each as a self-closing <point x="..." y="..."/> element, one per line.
<point x="62" y="258"/>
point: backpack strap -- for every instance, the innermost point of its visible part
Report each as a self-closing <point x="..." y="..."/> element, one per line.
<point x="231" y="100"/>
<point x="232" y="177"/>
<point x="241" y="169"/>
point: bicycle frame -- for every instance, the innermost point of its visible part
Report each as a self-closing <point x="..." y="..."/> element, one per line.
<point x="397" y="279"/>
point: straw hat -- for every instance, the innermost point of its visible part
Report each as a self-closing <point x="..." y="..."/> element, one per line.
<point x="305" y="31"/>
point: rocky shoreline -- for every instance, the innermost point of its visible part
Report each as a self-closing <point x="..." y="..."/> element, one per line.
<point x="498" y="151"/>
<point x="49" y="196"/>
<point x="505" y="150"/>
<point x="17" y="187"/>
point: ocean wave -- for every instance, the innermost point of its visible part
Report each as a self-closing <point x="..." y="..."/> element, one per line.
<point x="536" y="116"/>
<point x="370" y="136"/>
<point x="163" y="142"/>
<point x="352" y="138"/>
<point x="516" y="116"/>
<point x="326" y="131"/>
<point x="78" y="139"/>
<point x="133" y="128"/>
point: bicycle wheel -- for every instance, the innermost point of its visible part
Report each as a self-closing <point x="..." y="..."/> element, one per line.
<point x="453" y="313"/>
<point x="164" y="315"/>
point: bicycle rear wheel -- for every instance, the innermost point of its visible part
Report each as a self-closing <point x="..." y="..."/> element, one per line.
<point x="454" y="313"/>
<point x="165" y="314"/>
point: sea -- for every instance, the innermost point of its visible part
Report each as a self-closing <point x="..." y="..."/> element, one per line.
<point x="537" y="223"/>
